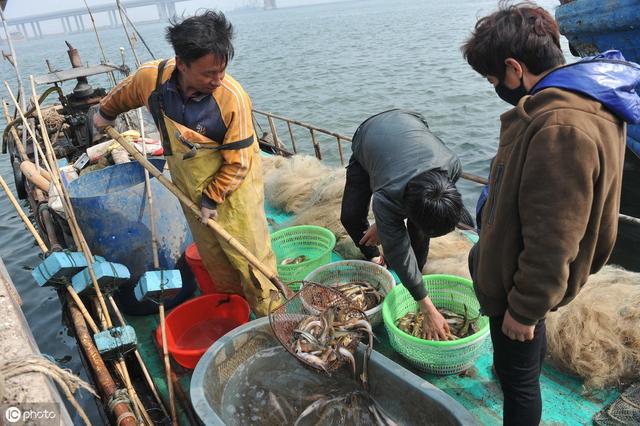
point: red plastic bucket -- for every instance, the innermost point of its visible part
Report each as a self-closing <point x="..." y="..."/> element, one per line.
<point x="205" y="283"/>
<point x="196" y="324"/>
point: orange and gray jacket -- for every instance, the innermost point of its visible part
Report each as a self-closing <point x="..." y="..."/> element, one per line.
<point x="224" y="115"/>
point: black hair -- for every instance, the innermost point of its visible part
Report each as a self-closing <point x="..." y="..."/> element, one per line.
<point x="523" y="31"/>
<point x="433" y="203"/>
<point x="200" y="35"/>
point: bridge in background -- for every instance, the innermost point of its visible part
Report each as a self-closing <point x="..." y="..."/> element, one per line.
<point x="73" y="20"/>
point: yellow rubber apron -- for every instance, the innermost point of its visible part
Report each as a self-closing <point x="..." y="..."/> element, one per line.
<point x="241" y="214"/>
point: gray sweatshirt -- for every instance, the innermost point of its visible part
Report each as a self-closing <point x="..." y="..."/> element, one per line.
<point x="394" y="147"/>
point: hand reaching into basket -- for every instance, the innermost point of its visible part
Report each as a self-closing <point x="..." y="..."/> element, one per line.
<point x="434" y="326"/>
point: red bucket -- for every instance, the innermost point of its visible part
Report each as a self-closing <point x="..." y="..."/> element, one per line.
<point x="195" y="325"/>
<point x="205" y="283"/>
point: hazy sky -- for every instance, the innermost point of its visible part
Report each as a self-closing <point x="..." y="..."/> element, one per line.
<point x="17" y="8"/>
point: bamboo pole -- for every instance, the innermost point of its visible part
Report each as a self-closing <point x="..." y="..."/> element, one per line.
<point x="25" y="124"/>
<point x="124" y="12"/>
<point x="124" y="417"/>
<point x="95" y="30"/>
<point x="220" y="232"/>
<point x="474" y="178"/>
<point x="156" y="265"/>
<point x="62" y="192"/>
<point x="138" y="407"/>
<point x="73" y="223"/>
<point x="14" y="62"/>
<point x="143" y="367"/>
<point x="167" y="365"/>
<point x="21" y="150"/>
<point x="44" y="249"/>
<point x="154" y="242"/>
<point x="79" y="304"/>
<point x="23" y="216"/>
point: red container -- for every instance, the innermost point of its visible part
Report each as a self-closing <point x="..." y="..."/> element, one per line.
<point x="193" y="326"/>
<point x="205" y="283"/>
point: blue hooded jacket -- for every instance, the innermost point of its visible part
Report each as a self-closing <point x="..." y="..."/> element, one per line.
<point x="607" y="78"/>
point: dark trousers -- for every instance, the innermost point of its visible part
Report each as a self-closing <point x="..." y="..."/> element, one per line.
<point x="355" y="209"/>
<point x="518" y="365"/>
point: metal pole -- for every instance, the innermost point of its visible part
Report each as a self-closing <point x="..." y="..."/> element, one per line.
<point x="14" y="58"/>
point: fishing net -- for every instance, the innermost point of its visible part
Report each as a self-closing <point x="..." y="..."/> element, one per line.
<point x="311" y="301"/>
<point x="623" y="411"/>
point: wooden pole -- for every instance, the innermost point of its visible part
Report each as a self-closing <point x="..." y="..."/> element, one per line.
<point x="62" y="192"/>
<point x="143" y="367"/>
<point x="28" y="128"/>
<point x="108" y="387"/>
<point x="156" y="266"/>
<point x="23" y="216"/>
<point x="121" y="367"/>
<point x="21" y="151"/>
<point x="167" y="365"/>
<point x="44" y="249"/>
<point x="220" y="232"/>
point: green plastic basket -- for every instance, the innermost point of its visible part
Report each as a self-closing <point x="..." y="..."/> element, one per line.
<point x="446" y="357"/>
<point x="313" y="242"/>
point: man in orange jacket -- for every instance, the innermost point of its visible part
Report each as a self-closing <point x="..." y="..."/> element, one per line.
<point x="205" y="122"/>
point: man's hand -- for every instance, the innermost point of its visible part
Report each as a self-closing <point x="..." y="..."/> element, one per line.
<point x="370" y="237"/>
<point x="515" y="330"/>
<point x="100" y="122"/>
<point x="208" y="213"/>
<point x="435" y="327"/>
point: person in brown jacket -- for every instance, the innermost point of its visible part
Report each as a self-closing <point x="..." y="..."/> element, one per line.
<point x="551" y="215"/>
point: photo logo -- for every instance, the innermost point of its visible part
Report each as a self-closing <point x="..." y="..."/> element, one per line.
<point x="32" y="413"/>
<point x="13" y="414"/>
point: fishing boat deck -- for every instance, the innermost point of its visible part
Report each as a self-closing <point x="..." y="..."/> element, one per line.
<point x="564" y="400"/>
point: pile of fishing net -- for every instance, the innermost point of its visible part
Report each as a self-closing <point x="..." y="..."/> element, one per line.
<point x="312" y="191"/>
<point x="597" y="335"/>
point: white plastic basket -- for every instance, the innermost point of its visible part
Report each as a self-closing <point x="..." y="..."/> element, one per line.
<point x="356" y="270"/>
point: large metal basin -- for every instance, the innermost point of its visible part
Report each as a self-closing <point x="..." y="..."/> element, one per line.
<point x="405" y="397"/>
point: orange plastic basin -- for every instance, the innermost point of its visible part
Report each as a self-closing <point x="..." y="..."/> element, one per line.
<point x="193" y="326"/>
<point x="194" y="260"/>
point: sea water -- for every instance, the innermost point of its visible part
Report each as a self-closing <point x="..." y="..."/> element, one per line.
<point x="274" y="388"/>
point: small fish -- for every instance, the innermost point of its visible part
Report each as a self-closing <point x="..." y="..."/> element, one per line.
<point x="293" y="260"/>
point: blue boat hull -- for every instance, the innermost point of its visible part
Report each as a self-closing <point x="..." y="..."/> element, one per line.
<point x="594" y="26"/>
<point x="112" y="210"/>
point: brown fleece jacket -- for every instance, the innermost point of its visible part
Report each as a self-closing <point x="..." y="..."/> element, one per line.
<point x="552" y="213"/>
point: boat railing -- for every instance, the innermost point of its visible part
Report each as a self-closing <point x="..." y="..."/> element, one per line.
<point x="314" y="131"/>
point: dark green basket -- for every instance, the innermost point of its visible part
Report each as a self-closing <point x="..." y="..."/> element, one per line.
<point x="447" y="357"/>
<point x="313" y="242"/>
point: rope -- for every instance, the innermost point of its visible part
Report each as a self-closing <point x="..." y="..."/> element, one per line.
<point x="121" y="396"/>
<point x="66" y="380"/>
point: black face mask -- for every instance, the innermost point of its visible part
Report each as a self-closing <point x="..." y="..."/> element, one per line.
<point x="511" y="96"/>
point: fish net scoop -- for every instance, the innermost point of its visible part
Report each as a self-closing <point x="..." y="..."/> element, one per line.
<point x="324" y="322"/>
